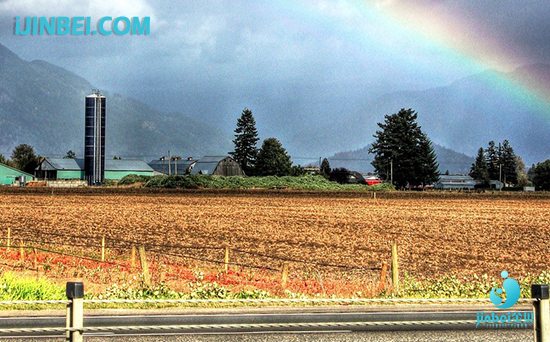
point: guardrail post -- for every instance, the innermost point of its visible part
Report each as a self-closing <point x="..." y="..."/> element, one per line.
<point x="541" y="307"/>
<point x="75" y="311"/>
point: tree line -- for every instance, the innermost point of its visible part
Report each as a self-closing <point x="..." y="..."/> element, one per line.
<point x="403" y="155"/>
<point x="400" y="142"/>
<point x="499" y="162"/>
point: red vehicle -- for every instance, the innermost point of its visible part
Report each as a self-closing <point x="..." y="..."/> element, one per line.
<point x="372" y="180"/>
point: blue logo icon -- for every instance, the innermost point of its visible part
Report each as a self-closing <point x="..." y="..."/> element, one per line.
<point x="512" y="289"/>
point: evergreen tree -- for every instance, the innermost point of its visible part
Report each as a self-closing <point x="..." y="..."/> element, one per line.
<point x="70" y="155"/>
<point x="531" y="172"/>
<point x="492" y="155"/>
<point x="502" y="162"/>
<point x="426" y="162"/>
<point x="272" y="159"/>
<point x="24" y="158"/>
<point x="325" y="169"/>
<point x="246" y="138"/>
<point x="3" y="159"/>
<point x="541" y="175"/>
<point x="479" y="170"/>
<point x="401" y="145"/>
<point x="509" y="164"/>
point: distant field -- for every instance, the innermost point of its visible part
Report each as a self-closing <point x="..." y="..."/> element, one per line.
<point x="437" y="234"/>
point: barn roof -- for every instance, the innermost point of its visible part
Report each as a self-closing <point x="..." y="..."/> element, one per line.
<point x="445" y="178"/>
<point x="207" y="165"/>
<point x="162" y="165"/>
<point x="78" y="165"/>
<point x="127" y="165"/>
<point x="49" y="164"/>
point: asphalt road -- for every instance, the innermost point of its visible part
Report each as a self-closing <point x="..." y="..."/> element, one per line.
<point x="394" y="332"/>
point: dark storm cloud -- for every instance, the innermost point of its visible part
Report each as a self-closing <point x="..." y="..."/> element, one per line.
<point x="296" y="66"/>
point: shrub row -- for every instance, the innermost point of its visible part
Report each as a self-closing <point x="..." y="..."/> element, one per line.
<point x="306" y="182"/>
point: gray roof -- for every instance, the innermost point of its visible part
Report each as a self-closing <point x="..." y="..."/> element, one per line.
<point x="207" y="165"/>
<point x="445" y="178"/>
<point x="110" y="165"/>
<point x="127" y="165"/>
<point x="62" y="164"/>
<point x="162" y="166"/>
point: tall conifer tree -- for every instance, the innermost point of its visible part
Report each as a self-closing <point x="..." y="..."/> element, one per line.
<point x="401" y="146"/>
<point x="246" y="138"/>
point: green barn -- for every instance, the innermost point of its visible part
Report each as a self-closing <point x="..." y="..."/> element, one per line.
<point x="66" y="169"/>
<point x="8" y="175"/>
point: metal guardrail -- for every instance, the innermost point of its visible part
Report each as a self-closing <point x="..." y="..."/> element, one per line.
<point x="75" y="329"/>
<point x="298" y="300"/>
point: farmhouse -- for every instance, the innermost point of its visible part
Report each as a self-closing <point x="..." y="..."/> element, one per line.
<point x="174" y="167"/>
<point x="70" y="169"/>
<point x="9" y="175"/>
<point x="217" y="165"/>
<point x="455" y="183"/>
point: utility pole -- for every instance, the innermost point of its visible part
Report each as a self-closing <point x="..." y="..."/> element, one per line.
<point x="176" y="165"/>
<point x="500" y="166"/>
<point x="500" y="177"/>
<point x="391" y="170"/>
<point x="169" y="163"/>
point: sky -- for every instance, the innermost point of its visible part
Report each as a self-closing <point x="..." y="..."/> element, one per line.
<point x="295" y="64"/>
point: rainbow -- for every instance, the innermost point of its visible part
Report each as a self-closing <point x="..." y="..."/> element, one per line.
<point x="463" y="42"/>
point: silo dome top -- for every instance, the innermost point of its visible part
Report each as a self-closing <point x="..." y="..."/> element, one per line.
<point x="95" y="93"/>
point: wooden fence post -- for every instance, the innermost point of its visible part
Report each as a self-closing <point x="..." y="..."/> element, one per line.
<point x="133" y="257"/>
<point x="394" y="266"/>
<point x="35" y="260"/>
<point x="9" y="239"/>
<point x="382" y="284"/>
<point x="284" y="274"/>
<point x="144" y="267"/>
<point x="103" y="248"/>
<point x="226" y="258"/>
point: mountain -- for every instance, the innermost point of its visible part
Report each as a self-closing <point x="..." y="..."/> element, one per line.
<point x="463" y="116"/>
<point x="360" y="160"/>
<point x="43" y="105"/>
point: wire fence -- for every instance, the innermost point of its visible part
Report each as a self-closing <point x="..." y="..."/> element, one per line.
<point x="36" y="239"/>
